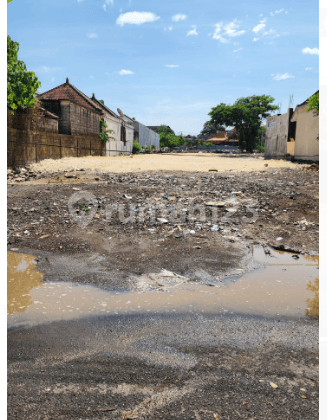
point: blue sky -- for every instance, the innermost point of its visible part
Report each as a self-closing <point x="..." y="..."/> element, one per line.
<point x="171" y="62"/>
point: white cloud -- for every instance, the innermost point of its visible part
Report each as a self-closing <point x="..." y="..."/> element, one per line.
<point x="104" y="7"/>
<point x="224" y="32"/>
<point x="231" y="31"/>
<point x="79" y="1"/>
<point x="259" y="27"/>
<point x="282" y="76"/>
<point x="178" y="17"/>
<point x="47" y="70"/>
<point x="309" y="68"/>
<point x="136" y="18"/>
<point x="271" y="34"/>
<point x="107" y="74"/>
<point x="192" y="31"/>
<point x="109" y="1"/>
<point x="92" y="35"/>
<point x="52" y="79"/>
<point x="170" y="28"/>
<point x="172" y="65"/>
<point x="276" y="12"/>
<point x="125" y="72"/>
<point x="238" y="49"/>
<point x="312" y="51"/>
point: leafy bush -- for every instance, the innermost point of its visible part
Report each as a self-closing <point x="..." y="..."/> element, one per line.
<point x="103" y="132"/>
<point x="153" y="147"/>
<point x="136" y="147"/>
<point x="313" y="104"/>
<point x="21" y="84"/>
<point x="170" y="140"/>
<point x="208" y="144"/>
<point x="259" y="147"/>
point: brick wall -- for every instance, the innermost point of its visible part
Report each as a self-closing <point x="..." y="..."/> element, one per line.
<point x="74" y="119"/>
<point x="83" y="120"/>
<point x="25" y="146"/>
<point x="32" y="119"/>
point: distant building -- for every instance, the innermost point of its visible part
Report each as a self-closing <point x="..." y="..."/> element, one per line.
<point x="144" y="135"/>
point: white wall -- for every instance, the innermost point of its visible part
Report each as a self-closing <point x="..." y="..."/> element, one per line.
<point x="307" y="131"/>
<point x="115" y="146"/>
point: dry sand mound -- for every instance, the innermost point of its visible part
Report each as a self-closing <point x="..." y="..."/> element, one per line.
<point x="167" y="162"/>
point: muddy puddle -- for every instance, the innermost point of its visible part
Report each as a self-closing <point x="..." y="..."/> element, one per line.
<point x="284" y="286"/>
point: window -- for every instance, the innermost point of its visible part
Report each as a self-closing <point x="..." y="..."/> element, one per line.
<point x="271" y="124"/>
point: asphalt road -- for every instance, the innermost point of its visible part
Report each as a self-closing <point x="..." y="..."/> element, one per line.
<point x="156" y="366"/>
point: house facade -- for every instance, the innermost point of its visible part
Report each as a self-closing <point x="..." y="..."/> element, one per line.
<point x="293" y="135"/>
<point x="306" y="128"/>
<point x="278" y="135"/>
<point x="77" y="113"/>
<point x="120" y="131"/>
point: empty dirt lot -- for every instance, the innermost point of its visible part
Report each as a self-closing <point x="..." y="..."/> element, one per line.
<point x="200" y="162"/>
<point x="161" y="364"/>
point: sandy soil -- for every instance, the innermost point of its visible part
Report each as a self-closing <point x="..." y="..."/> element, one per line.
<point x="151" y="162"/>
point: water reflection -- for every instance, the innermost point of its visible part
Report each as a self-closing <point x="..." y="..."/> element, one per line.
<point x="279" y="289"/>
<point x="312" y="310"/>
<point x="21" y="279"/>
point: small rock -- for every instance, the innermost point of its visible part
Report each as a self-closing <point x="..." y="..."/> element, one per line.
<point x="161" y="220"/>
<point x="215" y="204"/>
<point x="70" y="176"/>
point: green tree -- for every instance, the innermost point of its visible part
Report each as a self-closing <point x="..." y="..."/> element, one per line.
<point x="210" y="129"/>
<point x="164" y="129"/>
<point x="245" y="115"/>
<point x="313" y="104"/>
<point x="21" y="84"/>
<point x="170" y="140"/>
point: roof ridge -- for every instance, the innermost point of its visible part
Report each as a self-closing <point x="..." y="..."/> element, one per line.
<point x="307" y="99"/>
<point x="105" y="107"/>
<point x="50" y="90"/>
<point x="83" y="96"/>
<point x="79" y="92"/>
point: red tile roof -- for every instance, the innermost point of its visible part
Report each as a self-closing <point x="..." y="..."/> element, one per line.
<point x="66" y="91"/>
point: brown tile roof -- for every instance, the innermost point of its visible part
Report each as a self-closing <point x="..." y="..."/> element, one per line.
<point x="71" y="93"/>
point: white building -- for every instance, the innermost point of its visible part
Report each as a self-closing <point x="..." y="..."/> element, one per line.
<point x="121" y="130"/>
